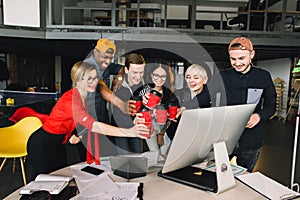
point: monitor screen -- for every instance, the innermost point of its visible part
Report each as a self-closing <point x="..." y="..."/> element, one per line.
<point x="199" y="129"/>
<point x="21" y="13"/>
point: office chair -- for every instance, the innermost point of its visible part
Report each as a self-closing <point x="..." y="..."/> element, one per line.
<point x="240" y="21"/>
<point x="234" y="22"/>
<point x="27" y="112"/>
<point x="13" y="141"/>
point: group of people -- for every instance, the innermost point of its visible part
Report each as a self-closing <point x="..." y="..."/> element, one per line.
<point x="85" y="105"/>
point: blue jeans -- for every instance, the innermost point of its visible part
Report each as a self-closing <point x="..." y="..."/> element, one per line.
<point x="128" y="145"/>
<point x="246" y="158"/>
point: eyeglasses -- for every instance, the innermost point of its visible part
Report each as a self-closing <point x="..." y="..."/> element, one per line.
<point x="157" y="76"/>
<point x="91" y="80"/>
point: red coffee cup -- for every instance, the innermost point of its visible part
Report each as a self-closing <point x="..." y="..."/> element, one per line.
<point x="148" y="121"/>
<point x="151" y="130"/>
<point x="161" y="114"/>
<point x="154" y="99"/>
<point x="172" y="111"/>
<point x="146" y="115"/>
<point x="138" y="103"/>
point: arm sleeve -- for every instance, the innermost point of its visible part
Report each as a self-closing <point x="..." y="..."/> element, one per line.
<point x="80" y="114"/>
<point x="121" y="119"/>
<point x="269" y="99"/>
<point x="115" y="68"/>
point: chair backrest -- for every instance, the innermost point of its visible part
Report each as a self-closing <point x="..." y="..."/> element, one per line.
<point x="13" y="139"/>
<point x="26" y="112"/>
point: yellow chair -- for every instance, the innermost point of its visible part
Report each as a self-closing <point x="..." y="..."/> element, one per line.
<point x="13" y="140"/>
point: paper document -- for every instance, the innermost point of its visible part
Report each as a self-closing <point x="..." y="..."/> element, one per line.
<point x="236" y="170"/>
<point x="254" y="95"/>
<point x="267" y="187"/>
<point x="102" y="187"/>
<point x="52" y="183"/>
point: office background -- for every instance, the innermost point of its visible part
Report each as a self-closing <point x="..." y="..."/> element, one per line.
<point x="39" y="51"/>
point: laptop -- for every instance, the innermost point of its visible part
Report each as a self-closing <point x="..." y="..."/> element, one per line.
<point x="194" y="177"/>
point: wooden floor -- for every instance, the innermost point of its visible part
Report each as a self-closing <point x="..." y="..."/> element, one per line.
<point x="275" y="159"/>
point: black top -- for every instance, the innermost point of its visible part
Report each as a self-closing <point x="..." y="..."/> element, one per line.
<point x="167" y="96"/>
<point x="238" y="86"/>
<point x="201" y="100"/>
<point x="112" y="69"/>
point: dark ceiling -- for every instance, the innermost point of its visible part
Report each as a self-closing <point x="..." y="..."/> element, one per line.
<point x="80" y="48"/>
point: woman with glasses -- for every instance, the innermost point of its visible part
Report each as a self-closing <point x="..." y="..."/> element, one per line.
<point x="46" y="147"/>
<point x="159" y="77"/>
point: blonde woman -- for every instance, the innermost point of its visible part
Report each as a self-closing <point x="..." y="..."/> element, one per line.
<point x="46" y="146"/>
<point x="196" y="95"/>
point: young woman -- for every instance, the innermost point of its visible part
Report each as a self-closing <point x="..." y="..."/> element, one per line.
<point x="196" y="95"/>
<point x="159" y="78"/>
<point x="46" y="149"/>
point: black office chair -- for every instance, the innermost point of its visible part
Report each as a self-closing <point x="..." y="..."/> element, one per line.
<point x="236" y="23"/>
<point x="240" y="21"/>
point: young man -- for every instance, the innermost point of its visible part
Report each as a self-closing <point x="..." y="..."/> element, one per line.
<point x="124" y="87"/>
<point x="101" y="57"/>
<point x="245" y="83"/>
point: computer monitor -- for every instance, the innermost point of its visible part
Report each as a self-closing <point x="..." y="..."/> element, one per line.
<point x="199" y="129"/>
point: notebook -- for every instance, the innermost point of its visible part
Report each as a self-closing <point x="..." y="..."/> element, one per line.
<point x="193" y="176"/>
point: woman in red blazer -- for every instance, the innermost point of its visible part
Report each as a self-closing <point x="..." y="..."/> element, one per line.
<point x="46" y="149"/>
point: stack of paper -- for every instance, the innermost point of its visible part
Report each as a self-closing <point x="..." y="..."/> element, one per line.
<point x="267" y="187"/>
<point x="51" y="183"/>
<point x="102" y="187"/>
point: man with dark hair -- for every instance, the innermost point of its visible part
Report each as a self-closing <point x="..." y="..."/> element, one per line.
<point x="102" y="56"/>
<point x="245" y="83"/>
<point x="124" y="87"/>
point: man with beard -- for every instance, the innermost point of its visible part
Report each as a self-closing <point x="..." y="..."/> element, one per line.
<point x="245" y="83"/>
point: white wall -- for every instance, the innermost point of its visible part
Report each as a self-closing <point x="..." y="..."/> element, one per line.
<point x="279" y="68"/>
<point x="176" y="12"/>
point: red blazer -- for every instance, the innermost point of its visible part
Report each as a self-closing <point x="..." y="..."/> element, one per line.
<point x="68" y="112"/>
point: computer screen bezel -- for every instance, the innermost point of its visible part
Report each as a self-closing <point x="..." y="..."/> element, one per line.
<point x="199" y="129"/>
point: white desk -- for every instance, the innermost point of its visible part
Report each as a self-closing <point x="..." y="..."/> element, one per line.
<point x="156" y="187"/>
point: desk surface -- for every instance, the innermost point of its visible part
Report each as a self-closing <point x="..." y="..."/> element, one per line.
<point x="156" y="187"/>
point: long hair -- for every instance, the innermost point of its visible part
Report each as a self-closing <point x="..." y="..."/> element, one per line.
<point x="165" y="66"/>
